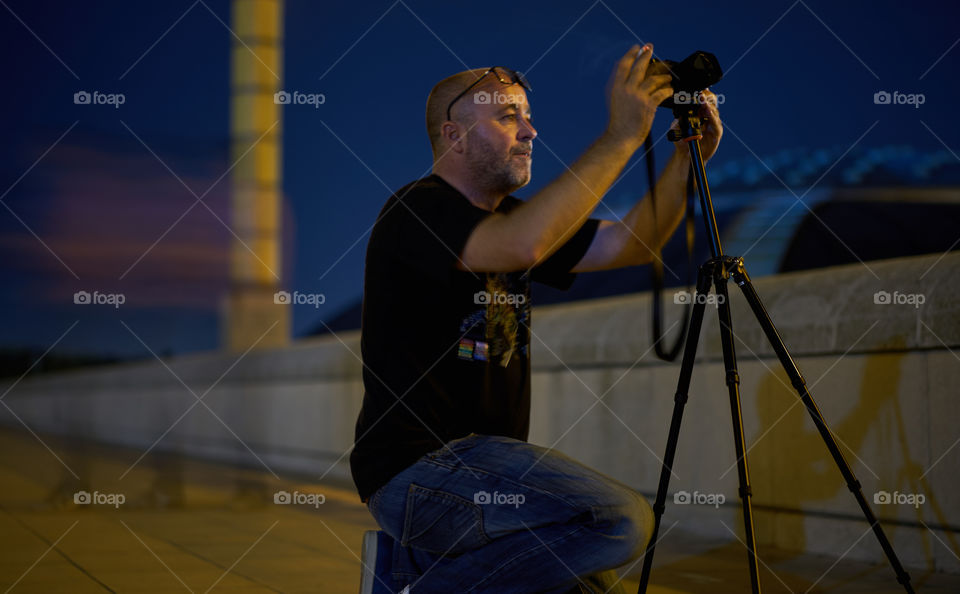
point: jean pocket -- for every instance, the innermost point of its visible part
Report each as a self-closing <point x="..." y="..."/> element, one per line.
<point x="442" y="523"/>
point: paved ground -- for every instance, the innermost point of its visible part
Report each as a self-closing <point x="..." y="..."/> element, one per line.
<point x="194" y="526"/>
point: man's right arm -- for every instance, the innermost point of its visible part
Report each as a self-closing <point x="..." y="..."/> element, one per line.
<point x="536" y="229"/>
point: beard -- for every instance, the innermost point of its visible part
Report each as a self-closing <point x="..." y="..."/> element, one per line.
<point x="493" y="172"/>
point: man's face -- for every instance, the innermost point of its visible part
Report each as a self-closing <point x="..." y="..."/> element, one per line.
<point x="499" y="147"/>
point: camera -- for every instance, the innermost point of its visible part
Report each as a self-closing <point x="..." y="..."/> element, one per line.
<point x="690" y="76"/>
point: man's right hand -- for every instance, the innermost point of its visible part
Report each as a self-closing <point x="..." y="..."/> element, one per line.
<point x="636" y="92"/>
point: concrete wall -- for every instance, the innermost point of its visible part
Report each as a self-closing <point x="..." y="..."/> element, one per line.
<point x="884" y="375"/>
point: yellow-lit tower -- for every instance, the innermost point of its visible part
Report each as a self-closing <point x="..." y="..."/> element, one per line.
<point x="256" y="194"/>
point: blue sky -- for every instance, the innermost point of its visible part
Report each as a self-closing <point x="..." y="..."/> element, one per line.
<point x="82" y="215"/>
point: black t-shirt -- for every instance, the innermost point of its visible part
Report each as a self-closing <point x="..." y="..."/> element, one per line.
<point x="451" y="345"/>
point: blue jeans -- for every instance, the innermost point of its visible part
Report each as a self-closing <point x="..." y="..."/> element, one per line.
<point x="494" y="514"/>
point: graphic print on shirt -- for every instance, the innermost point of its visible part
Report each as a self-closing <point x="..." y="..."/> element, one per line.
<point x="496" y="331"/>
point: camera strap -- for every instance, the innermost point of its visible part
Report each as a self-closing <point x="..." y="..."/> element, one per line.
<point x="656" y="270"/>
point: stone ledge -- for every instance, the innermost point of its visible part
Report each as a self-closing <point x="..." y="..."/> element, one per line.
<point x="827" y="311"/>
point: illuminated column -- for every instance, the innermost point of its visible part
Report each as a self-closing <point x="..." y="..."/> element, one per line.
<point x="255" y="145"/>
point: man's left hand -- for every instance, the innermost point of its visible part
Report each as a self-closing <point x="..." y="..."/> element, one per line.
<point x="712" y="127"/>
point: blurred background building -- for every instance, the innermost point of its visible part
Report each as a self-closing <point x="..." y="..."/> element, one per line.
<point x="104" y="197"/>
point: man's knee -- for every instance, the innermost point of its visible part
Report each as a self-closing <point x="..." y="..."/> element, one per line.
<point x="644" y="521"/>
<point x="629" y="522"/>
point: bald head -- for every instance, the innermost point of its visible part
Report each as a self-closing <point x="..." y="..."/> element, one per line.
<point x="441" y="96"/>
<point x="485" y="147"/>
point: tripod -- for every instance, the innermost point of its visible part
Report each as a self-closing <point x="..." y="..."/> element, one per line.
<point x="717" y="270"/>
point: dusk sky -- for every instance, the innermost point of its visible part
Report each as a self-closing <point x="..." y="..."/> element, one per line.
<point x="93" y="195"/>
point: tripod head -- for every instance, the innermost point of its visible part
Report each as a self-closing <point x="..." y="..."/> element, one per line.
<point x="689" y="122"/>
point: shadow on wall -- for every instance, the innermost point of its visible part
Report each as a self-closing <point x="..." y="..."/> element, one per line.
<point x="876" y="421"/>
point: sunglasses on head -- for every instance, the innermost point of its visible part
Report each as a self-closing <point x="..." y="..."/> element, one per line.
<point x="505" y="75"/>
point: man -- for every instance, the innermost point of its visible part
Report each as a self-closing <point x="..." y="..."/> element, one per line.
<point x="441" y="459"/>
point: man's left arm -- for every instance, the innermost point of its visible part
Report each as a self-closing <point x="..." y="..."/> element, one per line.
<point x="631" y="241"/>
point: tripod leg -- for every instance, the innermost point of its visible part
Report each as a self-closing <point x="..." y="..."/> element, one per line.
<point x="680" y="399"/>
<point x="733" y="385"/>
<point x="741" y="278"/>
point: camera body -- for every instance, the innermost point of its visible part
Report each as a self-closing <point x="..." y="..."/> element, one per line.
<point x="690" y="76"/>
